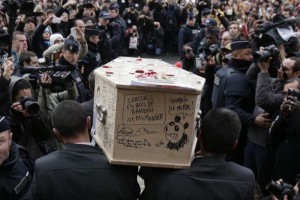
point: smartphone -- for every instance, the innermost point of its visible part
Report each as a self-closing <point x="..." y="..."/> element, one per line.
<point x="56" y="20"/>
<point x="198" y="63"/>
<point x="73" y="32"/>
<point x="4" y="57"/>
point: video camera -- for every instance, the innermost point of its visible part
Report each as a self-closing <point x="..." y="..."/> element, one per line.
<point x="280" y="31"/>
<point x="281" y="189"/>
<point x="263" y="56"/>
<point x="60" y="75"/>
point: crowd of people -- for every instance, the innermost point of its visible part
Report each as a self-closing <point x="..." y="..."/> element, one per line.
<point x="249" y="138"/>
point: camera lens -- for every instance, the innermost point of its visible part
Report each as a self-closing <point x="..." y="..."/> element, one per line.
<point x="32" y="107"/>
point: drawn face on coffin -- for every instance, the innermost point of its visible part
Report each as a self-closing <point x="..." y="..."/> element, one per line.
<point x="175" y="134"/>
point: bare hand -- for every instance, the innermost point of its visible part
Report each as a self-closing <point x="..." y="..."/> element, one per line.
<point x="45" y="79"/>
<point x="8" y="67"/>
<point x="262" y="120"/>
<point x="289" y="106"/>
<point x="48" y="20"/>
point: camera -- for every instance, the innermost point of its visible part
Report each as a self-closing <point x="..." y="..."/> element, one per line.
<point x="293" y="93"/>
<point x="214" y="49"/>
<point x="29" y="104"/>
<point x="60" y="75"/>
<point x="188" y="51"/>
<point x="280" y="189"/>
<point x="206" y="51"/>
<point x="263" y="56"/>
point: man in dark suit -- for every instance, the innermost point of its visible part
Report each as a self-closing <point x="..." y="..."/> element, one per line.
<point x="80" y="171"/>
<point x="210" y="176"/>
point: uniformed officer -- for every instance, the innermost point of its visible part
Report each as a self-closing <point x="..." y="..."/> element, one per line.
<point x="187" y="32"/>
<point x="70" y="54"/>
<point x="232" y="90"/>
<point x="93" y="59"/>
<point x="117" y="30"/>
<point x="104" y="46"/>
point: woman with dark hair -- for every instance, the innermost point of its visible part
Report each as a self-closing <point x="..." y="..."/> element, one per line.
<point x="27" y="123"/>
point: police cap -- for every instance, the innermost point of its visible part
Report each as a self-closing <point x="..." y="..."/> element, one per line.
<point x="104" y="15"/>
<point x="91" y="31"/>
<point x="71" y="44"/>
<point x="240" y="44"/>
<point x="191" y="16"/>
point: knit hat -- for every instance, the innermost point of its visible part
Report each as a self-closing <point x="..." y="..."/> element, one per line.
<point x="54" y="37"/>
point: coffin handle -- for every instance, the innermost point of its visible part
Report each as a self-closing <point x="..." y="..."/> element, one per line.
<point x="102" y="113"/>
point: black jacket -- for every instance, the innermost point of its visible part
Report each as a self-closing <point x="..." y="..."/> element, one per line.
<point x="283" y="148"/>
<point x="207" y="178"/>
<point x="16" y="175"/>
<point x="90" y="62"/>
<point x="82" y="172"/>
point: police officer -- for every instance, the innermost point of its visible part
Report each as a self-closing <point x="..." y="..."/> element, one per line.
<point x="70" y="54"/>
<point x="93" y="59"/>
<point x="232" y="90"/>
<point x="117" y="31"/>
<point x="104" y="46"/>
<point x="187" y="32"/>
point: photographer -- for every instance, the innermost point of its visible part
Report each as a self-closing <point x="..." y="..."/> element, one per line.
<point x="156" y="42"/>
<point x="130" y="15"/>
<point x="284" y="138"/>
<point x="132" y="40"/>
<point x="144" y="24"/>
<point x="280" y="190"/>
<point x="48" y="100"/>
<point x="209" y="47"/>
<point x="268" y="99"/>
<point x="27" y="122"/>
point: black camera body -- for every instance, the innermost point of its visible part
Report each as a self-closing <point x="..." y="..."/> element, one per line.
<point x="207" y="51"/>
<point x="293" y="93"/>
<point x="188" y="51"/>
<point x="281" y="189"/>
<point x="29" y="104"/>
<point x="263" y="56"/>
<point x="60" y="75"/>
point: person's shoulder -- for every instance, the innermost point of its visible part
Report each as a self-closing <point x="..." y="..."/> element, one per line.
<point x="242" y="172"/>
<point x="47" y="159"/>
